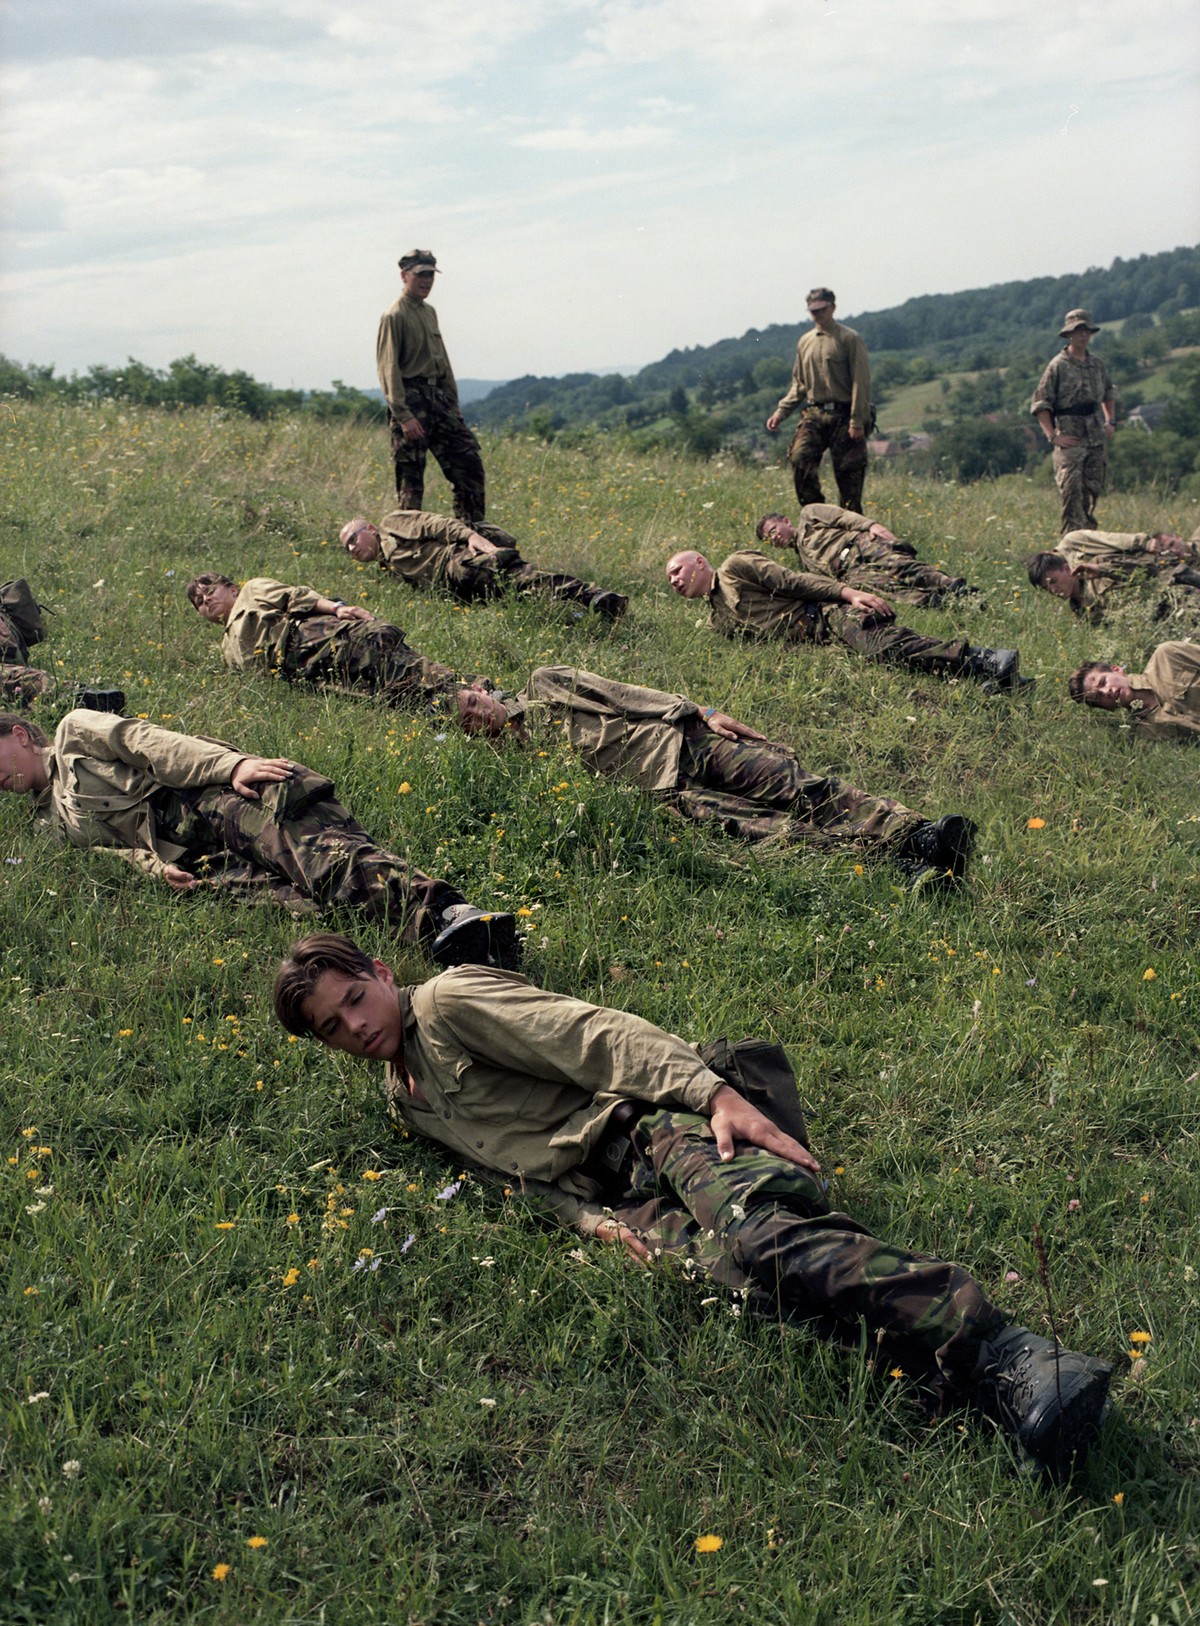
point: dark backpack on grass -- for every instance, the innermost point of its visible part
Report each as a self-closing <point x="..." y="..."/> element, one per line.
<point x="22" y="611"/>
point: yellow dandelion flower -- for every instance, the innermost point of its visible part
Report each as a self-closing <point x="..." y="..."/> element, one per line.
<point x="1149" y="974"/>
<point x="293" y="1219"/>
<point x="372" y="1174"/>
<point x="33" y="1292"/>
<point x="403" y="788"/>
<point x="858" y="869"/>
<point x="709" y="1544"/>
<point x="291" y="1277"/>
<point x="225" y="1225"/>
<point x="124" y="1033"/>
<point x="221" y="1572"/>
<point x="1145" y="1196"/>
<point x="1118" y="1497"/>
<point x="1035" y="824"/>
<point x="896" y="1372"/>
<point x="14" y="1160"/>
<point x="30" y="1132"/>
<point x="218" y="962"/>
<point x="256" y="1542"/>
<point x="314" y="1264"/>
<point x="840" y="1168"/>
<point x="524" y="913"/>
<point x="1140" y="1337"/>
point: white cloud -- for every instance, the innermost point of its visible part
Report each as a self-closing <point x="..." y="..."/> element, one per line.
<point x="574" y="138"/>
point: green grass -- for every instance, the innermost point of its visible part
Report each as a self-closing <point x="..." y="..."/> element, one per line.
<point x="973" y="1066"/>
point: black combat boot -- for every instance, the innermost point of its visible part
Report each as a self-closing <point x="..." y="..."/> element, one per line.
<point x="956" y="835"/>
<point x="994" y="668"/>
<point x="936" y="854"/>
<point x="610" y="605"/>
<point x="1049" y="1399"/>
<point x="112" y="700"/>
<point x="470" y="936"/>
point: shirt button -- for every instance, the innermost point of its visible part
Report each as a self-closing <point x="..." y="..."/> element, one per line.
<point x="448" y="1112"/>
<point x="479" y="1145"/>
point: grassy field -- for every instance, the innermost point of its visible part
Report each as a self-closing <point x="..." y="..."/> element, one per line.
<point x="233" y="1394"/>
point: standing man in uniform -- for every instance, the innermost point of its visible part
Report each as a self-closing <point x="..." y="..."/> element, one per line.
<point x="1075" y="404"/>
<point x="831" y="384"/>
<point x="418" y="382"/>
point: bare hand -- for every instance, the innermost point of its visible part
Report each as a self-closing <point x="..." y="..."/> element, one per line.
<point x="480" y="544"/>
<point x="611" y="1230"/>
<point x="1066" y="440"/>
<point x="412" y="429"/>
<point x="1110" y="428"/>
<point x="730" y="729"/>
<point x="854" y="432"/>
<point x="252" y="771"/>
<point x="869" y="603"/>
<point x="773" y="422"/>
<point x="178" y="878"/>
<point x="733" y="1118"/>
<point x="882" y="532"/>
<point x="353" y="612"/>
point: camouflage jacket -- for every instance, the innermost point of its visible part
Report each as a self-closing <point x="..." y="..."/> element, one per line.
<point x="1072" y="391"/>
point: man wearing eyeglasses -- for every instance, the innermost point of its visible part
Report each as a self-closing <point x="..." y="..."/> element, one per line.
<point x="423" y="412"/>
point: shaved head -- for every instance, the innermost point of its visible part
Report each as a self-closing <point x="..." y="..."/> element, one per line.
<point x="690" y="573"/>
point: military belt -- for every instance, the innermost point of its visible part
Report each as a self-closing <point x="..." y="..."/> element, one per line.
<point x="831" y="406"/>
<point x="1081" y="409"/>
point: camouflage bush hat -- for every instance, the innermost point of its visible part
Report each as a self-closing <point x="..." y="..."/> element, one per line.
<point x="1076" y="319"/>
<point x="820" y="296"/>
<point x="417" y="257"/>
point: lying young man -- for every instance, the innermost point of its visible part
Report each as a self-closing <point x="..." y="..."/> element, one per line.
<point x="1163" y="701"/>
<point x="468" y="562"/>
<point x="303" y="637"/>
<point x="199" y="814"/>
<point x="712" y="767"/>
<point x="752" y="596"/>
<point x="1087" y="568"/>
<point x="623" y="1132"/>
<point x="860" y="552"/>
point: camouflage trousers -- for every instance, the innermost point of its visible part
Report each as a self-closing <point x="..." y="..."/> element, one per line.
<point x="22" y="685"/>
<point x="454" y="449"/>
<point x="300" y="848"/>
<point x="882" y="640"/>
<point x="893" y="569"/>
<point x="353" y="656"/>
<point x="1079" y="476"/>
<point x="820" y="431"/>
<point x="756" y="790"/>
<point x="475" y="575"/>
<point x="763" y="1225"/>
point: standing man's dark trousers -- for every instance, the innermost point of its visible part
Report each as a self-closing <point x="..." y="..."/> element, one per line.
<point x="821" y="430"/>
<point x="454" y="448"/>
<point x="300" y="847"/>
<point x="1079" y="476"/>
<point x="761" y="1223"/>
<point x="755" y="789"/>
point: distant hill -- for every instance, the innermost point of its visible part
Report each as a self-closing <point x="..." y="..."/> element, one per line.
<point x="1012" y="324"/>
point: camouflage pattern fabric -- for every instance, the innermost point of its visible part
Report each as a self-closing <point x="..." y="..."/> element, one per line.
<point x="20" y="685"/>
<point x="761" y="1224"/>
<point x="454" y="448"/>
<point x="475" y="576"/>
<point x="357" y="655"/>
<point x="881" y="640"/>
<point x="893" y="570"/>
<point x="1079" y="476"/>
<point x="301" y="853"/>
<point x="757" y="790"/>
<point x="817" y="432"/>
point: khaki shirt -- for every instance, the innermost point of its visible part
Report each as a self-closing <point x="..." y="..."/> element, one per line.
<point x="409" y="345"/>
<point x="617" y="728"/>
<point x="754" y="596"/>
<point x="523" y="1081"/>
<point x="260" y="621"/>
<point x="1119" y="555"/>
<point x="421" y="547"/>
<point x="830" y="366"/>
<point x="104" y="770"/>
<point x="1068" y="384"/>
<point x="1173" y="673"/>
<point x="829" y="536"/>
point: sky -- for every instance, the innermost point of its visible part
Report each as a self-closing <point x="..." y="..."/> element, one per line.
<point x="602" y="181"/>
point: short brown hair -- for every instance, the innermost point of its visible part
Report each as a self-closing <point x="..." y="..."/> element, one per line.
<point x="199" y="586"/>
<point x="9" y="720"/>
<point x="759" y="528"/>
<point x="1075" y="681"/>
<point x="307" y="962"/>
<point x="1041" y="566"/>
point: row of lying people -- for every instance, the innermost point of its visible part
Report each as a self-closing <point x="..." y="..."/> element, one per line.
<point x="624" y="1132"/>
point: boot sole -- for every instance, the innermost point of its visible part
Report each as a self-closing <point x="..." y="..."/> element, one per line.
<point x="486" y="940"/>
<point x="1057" y="1435"/>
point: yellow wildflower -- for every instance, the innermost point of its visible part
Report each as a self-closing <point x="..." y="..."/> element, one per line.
<point x="1149" y="974"/>
<point x="709" y="1544"/>
<point x="220" y="1572"/>
<point x="256" y="1542"/>
<point x="1035" y="824"/>
<point x="291" y="1277"/>
<point x="225" y="1225"/>
<point x="1140" y="1337"/>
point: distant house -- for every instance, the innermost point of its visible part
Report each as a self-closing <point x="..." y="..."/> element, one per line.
<point x="1147" y="416"/>
<point x="884" y="448"/>
<point x="919" y="441"/>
